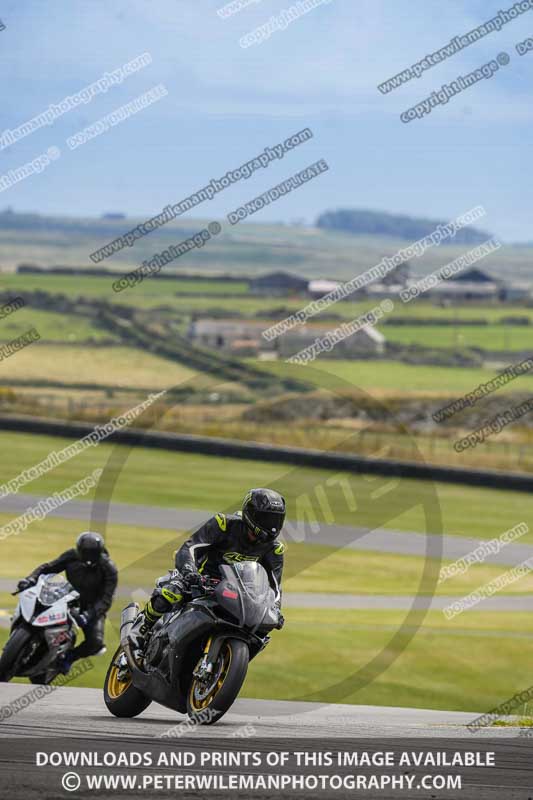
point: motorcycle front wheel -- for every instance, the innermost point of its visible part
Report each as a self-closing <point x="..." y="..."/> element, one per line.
<point x="121" y="697"/>
<point x="13" y="652"/>
<point x="207" y="703"/>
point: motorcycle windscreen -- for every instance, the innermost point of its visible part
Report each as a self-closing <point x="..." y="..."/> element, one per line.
<point x="245" y="592"/>
<point x="53" y="588"/>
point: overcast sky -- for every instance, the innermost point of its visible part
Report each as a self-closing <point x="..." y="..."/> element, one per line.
<point x="226" y="103"/>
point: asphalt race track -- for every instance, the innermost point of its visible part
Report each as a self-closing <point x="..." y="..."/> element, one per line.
<point x="82" y="712"/>
<point x="76" y="721"/>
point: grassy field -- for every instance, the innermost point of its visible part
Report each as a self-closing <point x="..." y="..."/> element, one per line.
<point x="52" y="327"/>
<point x="461" y="665"/>
<point x="487" y="337"/>
<point x="112" y="366"/>
<point x="120" y="365"/>
<point x="160" y="478"/>
<point x="392" y="377"/>
<point x="150" y="294"/>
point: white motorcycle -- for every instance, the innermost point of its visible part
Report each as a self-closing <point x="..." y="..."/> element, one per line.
<point x="43" y="628"/>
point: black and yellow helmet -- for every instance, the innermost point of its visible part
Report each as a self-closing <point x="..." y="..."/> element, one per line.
<point x="263" y="511"/>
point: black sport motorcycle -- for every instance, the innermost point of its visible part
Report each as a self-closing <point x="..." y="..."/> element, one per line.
<point x="197" y="657"/>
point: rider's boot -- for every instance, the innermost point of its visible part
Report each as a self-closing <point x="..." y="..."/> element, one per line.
<point x="65" y="661"/>
<point x="141" y="629"/>
<point x="166" y="596"/>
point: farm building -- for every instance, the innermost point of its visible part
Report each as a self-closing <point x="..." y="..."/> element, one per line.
<point x="244" y="338"/>
<point x="319" y="288"/>
<point x="278" y="284"/>
<point x="472" y="285"/>
<point x="516" y="292"/>
<point x="227" y="334"/>
<point x="363" y="343"/>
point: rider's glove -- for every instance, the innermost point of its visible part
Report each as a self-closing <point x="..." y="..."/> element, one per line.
<point x="191" y="578"/>
<point x="25" y="583"/>
<point x="83" y="619"/>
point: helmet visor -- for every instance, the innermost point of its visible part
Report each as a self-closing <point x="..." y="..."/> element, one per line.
<point x="90" y="555"/>
<point x="270" y="522"/>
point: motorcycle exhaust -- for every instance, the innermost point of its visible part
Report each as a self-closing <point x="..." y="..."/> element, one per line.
<point x="127" y="619"/>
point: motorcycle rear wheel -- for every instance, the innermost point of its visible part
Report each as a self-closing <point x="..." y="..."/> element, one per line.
<point x="122" y="698"/>
<point x="207" y="707"/>
<point x="12" y="653"/>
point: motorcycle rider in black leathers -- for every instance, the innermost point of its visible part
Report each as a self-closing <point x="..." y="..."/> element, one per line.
<point x="248" y="535"/>
<point x="91" y="572"/>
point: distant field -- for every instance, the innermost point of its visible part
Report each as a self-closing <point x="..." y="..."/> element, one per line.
<point x="113" y="366"/>
<point x="244" y="249"/>
<point x="489" y="337"/>
<point x="181" y="297"/>
<point x="182" y="480"/>
<point x="150" y="294"/>
<point x="393" y="376"/>
<point x="177" y="294"/>
<point x="52" y="327"/>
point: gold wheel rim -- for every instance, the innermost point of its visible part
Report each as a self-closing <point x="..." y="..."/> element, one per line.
<point x="200" y="705"/>
<point x="116" y="688"/>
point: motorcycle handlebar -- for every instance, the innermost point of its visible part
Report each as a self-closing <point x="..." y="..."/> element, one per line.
<point x="207" y="587"/>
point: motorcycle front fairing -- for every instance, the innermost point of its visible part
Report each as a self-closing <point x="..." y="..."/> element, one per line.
<point x="245" y="592"/>
<point x="26" y="604"/>
<point x="46" y="606"/>
<point x="247" y="602"/>
<point x="46" y="603"/>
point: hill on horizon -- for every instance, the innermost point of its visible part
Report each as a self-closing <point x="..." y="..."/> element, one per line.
<point x="245" y="249"/>
<point x="397" y="226"/>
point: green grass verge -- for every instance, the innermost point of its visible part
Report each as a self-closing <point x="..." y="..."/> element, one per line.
<point x="160" y="478"/>
<point x="461" y="665"/>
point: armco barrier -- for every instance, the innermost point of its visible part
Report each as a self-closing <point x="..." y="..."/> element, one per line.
<point x="318" y="459"/>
